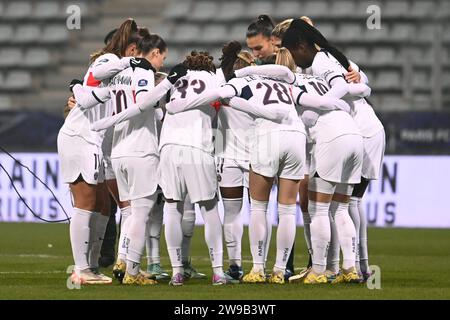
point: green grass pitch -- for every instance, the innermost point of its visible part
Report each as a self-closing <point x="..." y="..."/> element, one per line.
<point x="414" y="264"/>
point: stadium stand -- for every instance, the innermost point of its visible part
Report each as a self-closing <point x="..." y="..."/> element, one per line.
<point x="39" y="55"/>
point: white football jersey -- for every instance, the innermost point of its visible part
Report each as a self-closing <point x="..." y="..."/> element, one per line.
<point x="78" y="120"/>
<point x="235" y="131"/>
<point x="191" y="127"/>
<point x="267" y="92"/>
<point x="330" y="124"/>
<point x="326" y="66"/>
<point x="136" y="137"/>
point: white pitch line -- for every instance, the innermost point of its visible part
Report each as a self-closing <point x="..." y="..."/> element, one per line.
<point x="32" y="272"/>
<point x="40" y="256"/>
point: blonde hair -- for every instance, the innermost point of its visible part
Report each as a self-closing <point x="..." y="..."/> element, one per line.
<point x="281" y="28"/>
<point x="284" y="58"/>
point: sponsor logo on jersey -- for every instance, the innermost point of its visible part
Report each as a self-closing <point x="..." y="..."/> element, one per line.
<point x="142" y="83"/>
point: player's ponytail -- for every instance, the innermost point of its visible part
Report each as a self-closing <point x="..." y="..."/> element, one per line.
<point x="126" y="34"/>
<point x="301" y="31"/>
<point x="284" y="58"/>
<point x="233" y="58"/>
<point x="150" y="42"/>
<point x="262" y="25"/>
<point x="200" y="61"/>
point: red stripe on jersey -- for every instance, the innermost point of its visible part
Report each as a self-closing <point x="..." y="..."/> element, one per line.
<point x="91" y="81"/>
<point x="134" y="96"/>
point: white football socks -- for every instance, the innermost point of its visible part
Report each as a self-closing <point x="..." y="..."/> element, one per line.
<point x="79" y="237"/>
<point x="213" y="233"/>
<point x="334" y="249"/>
<point x="140" y="209"/>
<point x="233" y="229"/>
<point x="363" y="248"/>
<point x="285" y="234"/>
<point x="174" y="233"/>
<point x="153" y="234"/>
<point x="354" y="215"/>
<point x="98" y="225"/>
<point x="268" y="236"/>
<point x="187" y="225"/>
<point x="346" y="233"/>
<point x="123" y="240"/>
<point x="320" y="234"/>
<point x="307" y="230"/>
<point x="257" y="230"/>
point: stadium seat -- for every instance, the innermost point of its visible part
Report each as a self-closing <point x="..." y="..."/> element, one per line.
<point x="421" y="80"/>
<point x="47" y="9"/>
<point x="37" y="57"/>
<point x="10" y="57"/>
<point x="256" y="8"/>
<point x="343" y="9"/>
<point x="314" y="9"/>
<point x="216" y="33"/>
<point x="164" y="30"/>
<point x="27" y="33"/>
<point x="6" y="33"/>
<point x="426" y="32"/>
<point x="395" y="9"/>
<point x="349" y="32"/>
<point x="18" y="80"/>
<point x="5" y="101"/>
<point x="174" y="57"/>
<point x="402" y="32"/>
<point x="18" y="9"/>
<point x="328" y="30"/>
<point x="238" y="32"/>
<point x="374" y="35"/>
<point x="387" y="80"/>
<point x="204" y="11"/>
<point x="421" y="9"/>
<point x="383" y="56"/>
<point x="229" y="11"/>
<point x="358" y="54"/>
<point x="177" y="9"/>
<point x="287" y="9"/>
<point x="186" y="33"/>
<point x="54" y="34"/>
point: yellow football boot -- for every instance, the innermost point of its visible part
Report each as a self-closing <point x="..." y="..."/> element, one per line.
<point x="138" y="280"/>
<point x="348" y="276"/>
<point x="276" y="277"/>
<point x="315" y="278"/>
<point x="254" y="277"/>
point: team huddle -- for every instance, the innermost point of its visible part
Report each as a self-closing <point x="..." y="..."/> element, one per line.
<point x="293" y="111"/>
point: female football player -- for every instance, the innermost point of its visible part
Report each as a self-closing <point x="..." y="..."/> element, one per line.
<point x="80" y="152"/>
